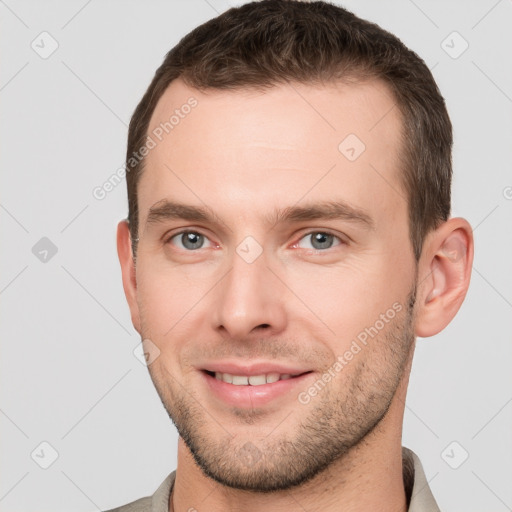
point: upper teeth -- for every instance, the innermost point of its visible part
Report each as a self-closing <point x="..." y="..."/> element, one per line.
<point x="253" y="380"/>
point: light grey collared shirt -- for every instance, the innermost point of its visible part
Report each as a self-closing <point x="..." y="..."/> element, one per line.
<point x="416" y="486"/>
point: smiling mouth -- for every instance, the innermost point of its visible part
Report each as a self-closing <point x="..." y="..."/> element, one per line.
<point x="252" y="380"/>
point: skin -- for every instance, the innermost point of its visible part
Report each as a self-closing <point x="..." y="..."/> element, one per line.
<point x="245" y="154"/>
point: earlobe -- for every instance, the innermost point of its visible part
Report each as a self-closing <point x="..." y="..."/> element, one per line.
<point x="445" y="272"/>
<point x="124" y="252"/>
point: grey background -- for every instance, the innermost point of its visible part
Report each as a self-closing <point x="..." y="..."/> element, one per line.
<point x="68" y="373"/>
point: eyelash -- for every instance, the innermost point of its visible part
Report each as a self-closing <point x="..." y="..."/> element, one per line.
<point x="309" y="233"/>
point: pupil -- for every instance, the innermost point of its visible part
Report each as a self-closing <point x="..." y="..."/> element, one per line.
<point x="192" y="240"/>
<point x="320" y="240"/>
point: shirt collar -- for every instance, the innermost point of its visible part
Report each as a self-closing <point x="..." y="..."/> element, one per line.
<point x="418" y="494"/>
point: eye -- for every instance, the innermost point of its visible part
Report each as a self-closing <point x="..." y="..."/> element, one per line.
<point x="189" y="240"/>
<point x="320" y="240"/>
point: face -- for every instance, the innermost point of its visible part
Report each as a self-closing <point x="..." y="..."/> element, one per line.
<point x="274" y="243"/>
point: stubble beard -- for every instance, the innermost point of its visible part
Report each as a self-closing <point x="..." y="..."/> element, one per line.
<point x="335" y="421"/>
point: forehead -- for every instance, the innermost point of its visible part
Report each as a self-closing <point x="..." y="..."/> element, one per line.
<point x="332" y="109"/>
<point x="274" y="146"/>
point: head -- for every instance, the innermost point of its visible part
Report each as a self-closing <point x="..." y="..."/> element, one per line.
<point x="289" y="173"/>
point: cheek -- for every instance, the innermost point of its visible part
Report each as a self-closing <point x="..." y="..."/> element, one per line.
<point x="343" y="301"/>
<point x="167" y="298"/>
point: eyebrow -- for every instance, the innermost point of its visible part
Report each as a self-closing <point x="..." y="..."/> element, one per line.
<point x="165" y="210"/>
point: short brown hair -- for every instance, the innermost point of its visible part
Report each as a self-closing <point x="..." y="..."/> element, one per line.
<point x="268" y="42"/>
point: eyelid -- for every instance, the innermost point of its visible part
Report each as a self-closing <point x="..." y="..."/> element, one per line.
<point x="179" y="231"/>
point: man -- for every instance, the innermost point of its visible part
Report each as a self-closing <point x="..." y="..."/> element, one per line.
<point x="288" y="237"/>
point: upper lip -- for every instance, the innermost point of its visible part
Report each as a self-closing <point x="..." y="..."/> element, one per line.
<point x="259" y="368"/>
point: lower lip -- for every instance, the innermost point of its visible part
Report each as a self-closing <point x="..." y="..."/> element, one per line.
<point x="255" y="396"/>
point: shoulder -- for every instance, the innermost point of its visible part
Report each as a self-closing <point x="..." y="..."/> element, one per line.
<point x="158" y="502"/>
<point x="140" y="505"/>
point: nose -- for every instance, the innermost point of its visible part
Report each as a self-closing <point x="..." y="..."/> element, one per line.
<point x="249" y="298"/>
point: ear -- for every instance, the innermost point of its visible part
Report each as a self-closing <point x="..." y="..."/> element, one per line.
<point x="124" y="252"/>
<point x="444" y="274"/>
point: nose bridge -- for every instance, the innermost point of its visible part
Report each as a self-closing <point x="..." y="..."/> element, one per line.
<point x="249" y="296"/>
